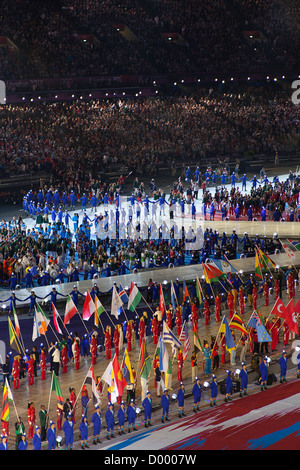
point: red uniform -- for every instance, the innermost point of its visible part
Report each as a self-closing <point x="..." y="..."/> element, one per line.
<point x="274" y="330"/>
<point x="195" y="316"/>
<point x="16" y="372"/>
<point x="179" y="365"/>
<point x="286" y="333"/>
<point x="30" y="371"/>
<point x="59" y="415"/>
<point x="154" y="328"/>
<point x="43" y="364"/>
<point x="178" y="320"/>
<point x="64" y="358"/>
<point x="241" y="301"/>
<point x="31" y="420"/>
<point x="223" y="349"/>
<point x="230" y="304"/>
<point x="254" y="297"/>
<point x="291" y="285"/>
<point x="206" y="312"/>
<point x="72" y="398"/>
<point x="276" y="289"/>
<point x="169" y="318"/>
<point x="266" y="293"/>
<point x="107" y="343"/>
<point x="129" y="337"/>
<point x="77" y="355"/>
<point x="142" y="331"/>
<point x="218" y="301"/>
<point x="93" y="349"/>
<point x="116" y="340"/>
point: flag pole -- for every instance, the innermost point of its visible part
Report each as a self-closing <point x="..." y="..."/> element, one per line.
<point x="50" y="393"/>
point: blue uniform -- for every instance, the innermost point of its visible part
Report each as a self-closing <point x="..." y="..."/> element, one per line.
<point x="196" y="393"/>
<point x="131" y="415"/>
<point x="147" y="405"/>
<point x="51" y="438"/>
<point x="110" y="421"/>
<point x="84" y="431"/>
<point x="263" y="369"/>
<point x="243" y="375"/>
<point x="96" y="420"/>
<point x="36" y="441"/>
<point x="213" y="390"/>
<point x="165" y="402"/>
<point x="68" y="429"/>
<point x="283" y="367"/>
<point x="121" y="416"/>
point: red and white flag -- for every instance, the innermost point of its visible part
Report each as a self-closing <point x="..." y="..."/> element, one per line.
<point x="70" y="310"/>
<point x="55" y="318"/>
<point x="292" y="317"/>
<point x="279" y="309"/>
<point x="89" y="307"/>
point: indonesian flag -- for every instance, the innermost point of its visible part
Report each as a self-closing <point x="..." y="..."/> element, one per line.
<point x="55" y="318"/>
<point x="88" y="307"/>
<point x="70" y="310"/>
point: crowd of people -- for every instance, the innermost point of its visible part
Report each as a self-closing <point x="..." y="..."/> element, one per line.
<point x="49" y="41"/>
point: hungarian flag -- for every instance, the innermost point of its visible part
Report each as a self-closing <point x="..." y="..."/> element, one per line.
<point x="70" y="310"/>
<point x="55" y="319"/>
<point x="7" y="395"/>
<point x="134" y="297"/>
<point x="90" y="380"/>
<point x="88" y="307"/>
<point x="237" y="323"/>
<point x="197" y="343"/>
<point x="56" y="388"/>
<point x="292" y="317"/>
<point x="145" y="364"/>
<point x="12" y="337"/>
<point x="99" y="309"/>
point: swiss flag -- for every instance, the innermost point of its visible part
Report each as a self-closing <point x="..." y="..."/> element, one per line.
<point x="279" y="309"/>
<point x="292" y="316"/>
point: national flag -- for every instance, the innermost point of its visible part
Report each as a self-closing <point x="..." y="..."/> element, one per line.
<point x="257" y="268"/>
<point x="185" y="292"/>
<point x="7" y="395"/>
<point x="163" y="357"/>
<point x="174" y="299"/>
<point x="127" y="369"/>
<point x="292" y="317"/>
<point x="161" y="300"/>
<point x="88" y="307"/>
<point x="169" y="337"/>
<point x="70" y="310"/>
<point x="90" y="380"/>
<point x="134" y="297"/>
<point x="256" y="322"/>
<point x="197" y="343"/>
<point x="230" y="266"/>
<point x="145" y="362"/>
<point x="39" y="324"/>
<point x="123" y="295"/>
<point x="224" y="328"/>
<point x="55" y="319"/>
<point x="12" y="337"/>
<point x="199" y="291"/>
<point x="265" y="259"/>
<point x="279" y="309"/>
<point x="212" y="273"/>
<point x="16" y="320"/>
<point x="56" y="388"/>
<point x="116" y="303"/>
<point x="295" y="244"/>
<point x="184" y="337"/>
<point x="287" y="250"/>
<point x="120" y="381"/>
<point x="98" y="311"/>
<point x="237" y="323"/>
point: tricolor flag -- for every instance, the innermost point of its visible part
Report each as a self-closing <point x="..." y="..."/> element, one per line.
<point x="120" y="381"/>
<point x="90" y="380"/>
<point x="237" y="323"/>
<point x="265" y="259"/>
<point x="134" y="297"/>
<point x="7" y="395"/>
<point x="40" y="323"/>
<point x="88" y="307"/>
<point x="70" y="310"/>
<point x="127" y="369"/>
<point x="55" y="319"/>
<point x="56" y="388"/>
<point x="116" y="303"/>
<point x="258" y="266"/>
<point x="17" y="325"/>
<point x="99" y="310"/>
<point x="12" y="337"/>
